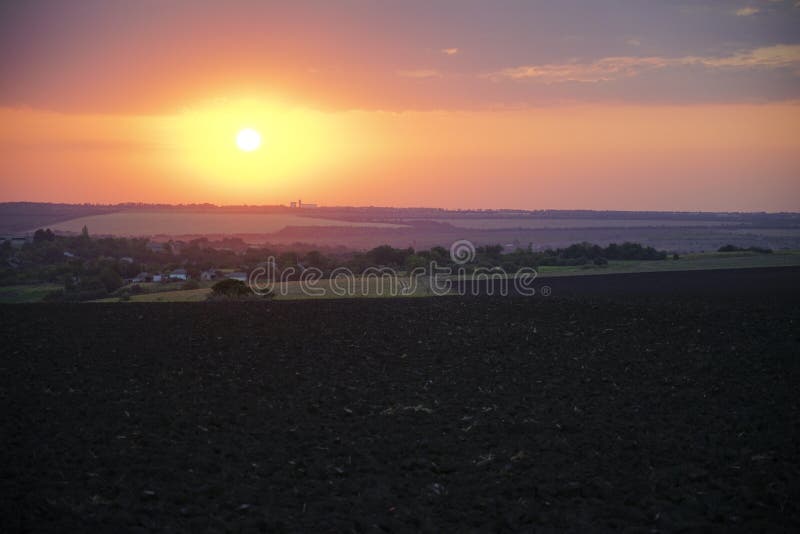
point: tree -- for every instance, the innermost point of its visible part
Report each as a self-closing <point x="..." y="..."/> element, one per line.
<point x="230" y="288"/>
<point x="41" y="236"/>
<point x="415" y="260"/>
<point x="387" y="256"/>
<point x="490" y="251"/>
<point x="111" y="279"/>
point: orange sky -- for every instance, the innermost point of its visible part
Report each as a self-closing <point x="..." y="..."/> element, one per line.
<point x="466" y="111"/>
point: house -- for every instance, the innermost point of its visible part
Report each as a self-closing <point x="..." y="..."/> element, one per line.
<point x="159" y="277"/>
<point x="242" y="277"/>
<point x="210" y="274"/>
<point x="16" y="242"/>
<point x="141" y="277"/>
<point x="179" y="274"/>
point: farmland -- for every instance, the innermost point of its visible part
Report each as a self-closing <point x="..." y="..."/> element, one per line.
<point x="498" y="223"/>
<point x="132" y="223"/>
<point x="620" y="411"/>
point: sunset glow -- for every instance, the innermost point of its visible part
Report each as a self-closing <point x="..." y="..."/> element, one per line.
<point x="428" y="113"/>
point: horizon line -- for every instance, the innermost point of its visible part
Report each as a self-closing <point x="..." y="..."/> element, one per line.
<point x="211" y="205"/>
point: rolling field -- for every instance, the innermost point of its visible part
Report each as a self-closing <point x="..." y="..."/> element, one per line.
<point x="430" y="414"/>
<point x="129" y="223"/>
<point x="495" y="223"/>
<point x="688" y="262"/>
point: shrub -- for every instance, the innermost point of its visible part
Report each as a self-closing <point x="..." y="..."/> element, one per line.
<point x="235" y="290"/>
<point x="230" y="288"/>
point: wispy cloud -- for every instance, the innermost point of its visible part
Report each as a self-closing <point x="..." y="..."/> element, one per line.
<point x="419" y="73"/>
<point x="449" y="51"/>
<point x="612" y="68"/>
<point x="747" y="11"/>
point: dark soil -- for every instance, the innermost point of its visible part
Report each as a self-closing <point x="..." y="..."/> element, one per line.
<point x="455" y="414"/>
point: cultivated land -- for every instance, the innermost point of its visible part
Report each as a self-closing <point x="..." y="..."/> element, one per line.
<point x="164" y="222"/>
<point x="665" y="404"/>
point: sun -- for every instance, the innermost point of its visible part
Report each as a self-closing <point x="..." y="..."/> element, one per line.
<point x="248" y="139"/>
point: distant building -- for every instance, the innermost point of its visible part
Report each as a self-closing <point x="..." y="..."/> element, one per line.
<point x="210" y="274"/>
<point x="69" y="255"/>
<point x="179" y="274"/>
<point x="158" y="277"/>
<point x="309" y="205"/>
<point x="141" y="277"/>
<point x="124" y="259"/>
<point x="293" y="205"/>
<point x="242" y="277"/>
<point x="16" y="241"/>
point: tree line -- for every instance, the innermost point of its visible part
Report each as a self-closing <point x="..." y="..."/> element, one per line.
<point x="93" y="267"/>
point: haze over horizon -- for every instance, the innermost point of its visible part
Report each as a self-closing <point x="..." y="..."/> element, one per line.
<point x="679" y="106"/>
<point x="288" y="205"/>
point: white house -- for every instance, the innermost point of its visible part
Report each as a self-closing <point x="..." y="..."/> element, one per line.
<point x="210" y="274"/>
<point x="17" y="242"/>
<point x="179" y="274"/>
<point x="158" y="278"/>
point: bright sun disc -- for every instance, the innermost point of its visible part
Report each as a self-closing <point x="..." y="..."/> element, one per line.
<point x="248" y="139"/>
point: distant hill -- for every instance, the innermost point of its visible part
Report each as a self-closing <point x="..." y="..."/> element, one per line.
<point x="366" y="227"/>
<point x="21" y="216"/>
